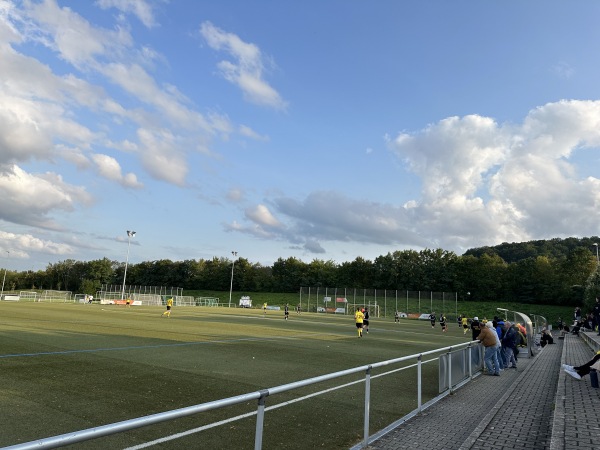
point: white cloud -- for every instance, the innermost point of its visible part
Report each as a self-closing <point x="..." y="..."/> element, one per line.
<point x="141" y="9"/>
<point x="109" y="168"/>
<point x="247" y="69"/>
<point x="262" y="216"/>
<point x="31" y="199"/>
<point x="21" y="245"/>
<point x="482" y="184"/>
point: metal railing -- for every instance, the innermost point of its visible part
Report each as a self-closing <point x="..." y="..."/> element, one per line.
<point x="467" y="373"/>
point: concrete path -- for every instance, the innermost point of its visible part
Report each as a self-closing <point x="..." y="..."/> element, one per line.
<point x="535" y="407"/>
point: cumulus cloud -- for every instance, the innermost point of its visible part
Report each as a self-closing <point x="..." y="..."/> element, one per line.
<point x="31" y="199"/>
<point x="109" y="168"/>
<point x="483" y="183"/>
<point x="22" y="245"/>
<point x="141" y="9"/>
<point x="246" y="71"/>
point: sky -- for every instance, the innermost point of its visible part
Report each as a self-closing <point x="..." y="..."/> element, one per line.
<point x="324" y="130"/>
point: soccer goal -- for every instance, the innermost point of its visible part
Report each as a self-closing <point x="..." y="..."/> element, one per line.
<point x="28" y="296"/>
<point x="55" y="296"/>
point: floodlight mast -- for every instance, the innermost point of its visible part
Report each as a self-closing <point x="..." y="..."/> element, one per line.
<point x="597" y="260"/>
<point x="4" y="279"/>
<point x="130" y="234"/>
<point x="234" y="254"/>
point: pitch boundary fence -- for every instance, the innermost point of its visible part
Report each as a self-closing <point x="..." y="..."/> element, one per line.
<point x="468" y="355"/>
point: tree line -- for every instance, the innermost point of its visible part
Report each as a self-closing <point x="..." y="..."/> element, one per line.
<point x="557" y="271"/>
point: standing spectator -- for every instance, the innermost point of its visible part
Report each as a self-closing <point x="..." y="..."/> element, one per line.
<point x="509" y="345"/>
<point x="432" y="319"/>
<point x="366" y="320"/>
<point x="475" y="328"/>
<point x="596" y="312"/>
<point x="577" y="314"/>
<point x="487" y="337"/>
<point x="499" y="332"/>
<point x="358" y="318"/>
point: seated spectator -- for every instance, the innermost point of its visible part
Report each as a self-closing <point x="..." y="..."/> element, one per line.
<point x="581" y="371"/>
<point x="576" y="328"/>
<point x="564" y="330"/>
<point x="546" y="338"/>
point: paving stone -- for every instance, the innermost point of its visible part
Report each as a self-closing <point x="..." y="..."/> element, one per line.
<point x="536" y="407"/>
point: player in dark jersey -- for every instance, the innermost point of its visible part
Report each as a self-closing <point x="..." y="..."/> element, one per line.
<point x="432" y="319"/>
<point x="286" y="311"/>
<point x="366" y="320"/>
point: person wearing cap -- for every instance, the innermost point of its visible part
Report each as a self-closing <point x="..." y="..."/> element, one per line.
<point x="509" y="344"/>
<point x="475" y="328"/>
<point x="488" y="337"/>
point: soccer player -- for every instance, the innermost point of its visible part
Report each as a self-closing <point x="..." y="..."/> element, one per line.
<point x="286" y="311"/>
<point x="366" y="320"/>
<point x="298" y="309"/>
<point x="465" y="324"/>
<point x="397" y="317"/>
<point x="358" y="318"/>
<point x="432" y="319"/>
<point x="128" y="302"/>
<point x="169" y="306"/>
<point x="443" y="322"/>
<point x="265" y="308"/>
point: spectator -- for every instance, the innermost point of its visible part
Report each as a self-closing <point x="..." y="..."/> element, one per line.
<point x="475" y="328"/>
<point x="509" y="345"/>
<point x="577" y="314"/>
<point x="488" y="338"/>
<point x="499" y="332"/>
<point x="581" y="371"/>
<point x="546" y="338"/>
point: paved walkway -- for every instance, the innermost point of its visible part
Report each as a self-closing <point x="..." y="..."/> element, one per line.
<point x="535" y="407"/>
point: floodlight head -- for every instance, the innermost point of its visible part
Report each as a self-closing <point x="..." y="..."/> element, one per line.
<point x="130" y="233"/>
<point x="234" y="253"/>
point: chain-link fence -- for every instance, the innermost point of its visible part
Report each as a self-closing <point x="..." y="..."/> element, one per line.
<point x="383" y="302"/>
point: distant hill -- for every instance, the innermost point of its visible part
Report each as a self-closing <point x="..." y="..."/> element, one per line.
<point x="554" y="248"/>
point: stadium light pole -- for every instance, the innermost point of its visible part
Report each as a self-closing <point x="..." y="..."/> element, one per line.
<point x="4" y="279"/>
<point x="130" y="234"/>
<point x="597" y="260"/>
<point x="231" y="284"/>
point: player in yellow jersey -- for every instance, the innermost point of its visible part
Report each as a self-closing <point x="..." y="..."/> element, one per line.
<point x="169" y="306"/>
<point x="465" y="324"/>
<point x="358" y="318"/>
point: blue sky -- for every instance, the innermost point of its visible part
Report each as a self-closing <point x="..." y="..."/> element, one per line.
<point x="319" y="130"/>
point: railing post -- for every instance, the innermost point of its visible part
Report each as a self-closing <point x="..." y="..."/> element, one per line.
<point x="450" y="370"/>
<point x="469" y="359"/>
<point x="260" y="420"/>
<point x="367" y="405"/>
<point x="419" y="378"/>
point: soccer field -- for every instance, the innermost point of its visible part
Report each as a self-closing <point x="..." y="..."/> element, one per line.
<point x="67" y="367"/>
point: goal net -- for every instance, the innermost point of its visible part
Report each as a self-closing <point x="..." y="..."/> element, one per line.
<point x="55" y="296"/>
<point x="28" y="296"/>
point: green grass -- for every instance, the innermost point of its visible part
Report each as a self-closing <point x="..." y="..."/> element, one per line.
<point x="67" y="367"/>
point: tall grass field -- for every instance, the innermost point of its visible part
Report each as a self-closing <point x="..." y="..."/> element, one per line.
<point x="71" y="366"/>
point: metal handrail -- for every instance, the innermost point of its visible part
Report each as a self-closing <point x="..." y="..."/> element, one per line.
<point x="131" y="424"/>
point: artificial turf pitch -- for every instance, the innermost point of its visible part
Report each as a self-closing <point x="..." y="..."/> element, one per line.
<point x="71" y="366"/>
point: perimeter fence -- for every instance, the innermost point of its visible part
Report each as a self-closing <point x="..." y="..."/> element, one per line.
<point x="455" y="366"/>
<point x="383" y="302"/>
